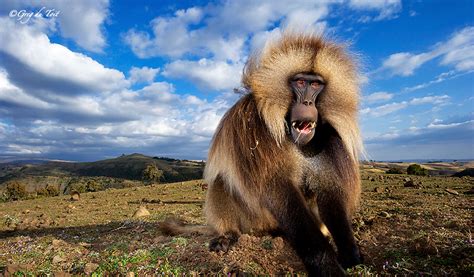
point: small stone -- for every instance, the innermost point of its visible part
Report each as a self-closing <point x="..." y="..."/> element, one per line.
<point x="424" y="246"/>
<point x="130" y="274"/>
<point x="410" y="184"/>
<point x="372" y="179"/>
<point x="379" y="190"/>
<point x="89" y="268"/>
<point x="57" y="243"/>
<point x="278" y="243"/>
<point x="141" y="212"/>
<point x="75" y="196"/>
<point x="384" y="214"/>
<point x="452" y="191"/>
<point x="57" y="259"/>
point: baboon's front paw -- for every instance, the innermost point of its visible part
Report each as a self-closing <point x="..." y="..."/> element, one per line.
<point x="223" y="243"/>
<point x="351" y="258"/>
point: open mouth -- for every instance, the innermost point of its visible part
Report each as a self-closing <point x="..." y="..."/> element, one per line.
<point x="304" y="127"/>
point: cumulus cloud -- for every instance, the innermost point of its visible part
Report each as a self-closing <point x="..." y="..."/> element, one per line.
<point x="384" y="109"/>
<point x="27" y="53"/>
<point x="378" y="111"/>
<point x="204" y="32"/>
<point x="81" y="21"/>
<point x="387" y="9"/>
<point x="378" y="97"/>
<point x="142" y="75"/>
<point x="207" y="74"/>
<point x="457" y="51"/>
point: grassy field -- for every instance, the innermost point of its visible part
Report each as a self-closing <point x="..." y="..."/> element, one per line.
<point x="422" y="229"/>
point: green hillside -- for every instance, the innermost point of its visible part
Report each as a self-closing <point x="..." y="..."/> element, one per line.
<point x="130" y="167"/>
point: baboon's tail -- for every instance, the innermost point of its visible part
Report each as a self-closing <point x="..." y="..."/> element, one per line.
<point x="174" y="226"/>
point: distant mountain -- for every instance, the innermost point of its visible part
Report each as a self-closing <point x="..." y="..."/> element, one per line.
<point x="126" y="167"/>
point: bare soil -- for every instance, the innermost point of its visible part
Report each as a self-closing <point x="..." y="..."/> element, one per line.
<point x="422" y="229"/>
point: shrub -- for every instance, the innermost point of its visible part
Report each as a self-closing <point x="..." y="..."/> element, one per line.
<point x="16" y="190"/>
<point x="152" y="173"/>
<point x="52" y="190"/>
<point x="394" y="171"/>
<point x="93" y="185"/>
<point x="79" y="187"/>
<point x="416" y="169"/>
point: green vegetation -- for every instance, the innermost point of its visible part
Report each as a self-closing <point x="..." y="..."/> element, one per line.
<point x="394" y="170"/>
<point x="152" y="174"/>
<point x="416" y="169"/>
<point x="56" y="178"/>
<point x="16" y="190"/>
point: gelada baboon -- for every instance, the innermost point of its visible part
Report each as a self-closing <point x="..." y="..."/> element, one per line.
<point x="284" y="158"/>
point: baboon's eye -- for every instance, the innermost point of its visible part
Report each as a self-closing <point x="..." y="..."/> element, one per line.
<point x="300" y="83"/>
<point x="315" y="85"/>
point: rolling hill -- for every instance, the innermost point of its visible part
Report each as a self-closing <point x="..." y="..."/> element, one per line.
<point x="128" y="167"/>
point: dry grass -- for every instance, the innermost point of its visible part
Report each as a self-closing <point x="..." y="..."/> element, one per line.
<point x="401" y="230"/>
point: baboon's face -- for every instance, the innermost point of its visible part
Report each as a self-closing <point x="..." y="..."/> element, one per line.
<point x="303" y="115"/>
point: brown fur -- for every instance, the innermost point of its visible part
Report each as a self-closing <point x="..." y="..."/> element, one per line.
<point x="256" y="173"/>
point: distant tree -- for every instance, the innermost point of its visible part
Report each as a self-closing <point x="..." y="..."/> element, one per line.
<point x="151" y="173"/>
<point x="416" y="169"/>
<point x="16" y="190"/>
<point x="394" y="170"/>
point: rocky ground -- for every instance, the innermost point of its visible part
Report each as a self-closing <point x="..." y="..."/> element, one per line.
<point x="414" y="226"/>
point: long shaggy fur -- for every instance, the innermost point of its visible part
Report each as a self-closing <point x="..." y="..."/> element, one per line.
<point x="266" y="75"/>
<point x="258" y="178"/>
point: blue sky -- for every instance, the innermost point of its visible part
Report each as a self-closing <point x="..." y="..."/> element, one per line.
<point x="95" y="79"/>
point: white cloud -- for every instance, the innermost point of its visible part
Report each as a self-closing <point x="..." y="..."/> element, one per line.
<point x="435" y="100"/>
<point x="388" y="9"/>
<point x="143" y="75"/>
<point x="34" y="50"/>
<point x="404" y="64"/>
<point x="378" y="97"/>
<point x="81" y="21"/>
<point x="457" y="51"/>
<point x="220" y="31"/>
<point x="206" y="73"/>
<point x="384" y="109"/>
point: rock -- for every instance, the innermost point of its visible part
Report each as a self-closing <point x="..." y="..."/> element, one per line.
<point x="57" y="259"/>
<point x="75" y="196"/>
<point x="379" y="189"/>
<point x="384" y="214"/>
<point x="410" y="184"/>
<point x="452" y="191"/>
<point x="56" y="243"/>
<point x="424" y="246"/>
<point x="89" y="268"/>
<point x="141" y="212"/>
<point x="130" y="274"/>
<point x="278" y="243"/>
<point x="407" y="179"/>
<point x="372" y="179"/>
